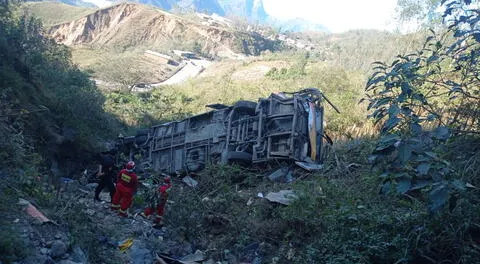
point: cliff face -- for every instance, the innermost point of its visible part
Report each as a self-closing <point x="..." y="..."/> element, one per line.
<point x="133" y="24"/>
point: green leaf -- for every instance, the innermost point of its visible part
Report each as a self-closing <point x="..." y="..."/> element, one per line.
<point x="415" y="128"/>
<point x="459" y="185"/>
<point x="394" y="110"/>
<point x="432" y="58"/>
<point x="387" y="141"/>
<point x="386" y="187"/>
<point x="403" y="185"/>
<point x="420" y="184"/>
<point x="390" y="124"/>
<point x="404" y="152"/>
<point x="438" y="197"/>
<point x="423" y="168"/>
<point x="441" y="133"/>
<point x="477" y="36"/>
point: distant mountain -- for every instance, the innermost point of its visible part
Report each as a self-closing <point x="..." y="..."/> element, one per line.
<point x="203" y="6"/>
<point x="252" y="10"/>
<point x="299" y="25"/>
<point x="130" y="25"/>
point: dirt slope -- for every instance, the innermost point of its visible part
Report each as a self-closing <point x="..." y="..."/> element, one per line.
<point x="128" y="25"/>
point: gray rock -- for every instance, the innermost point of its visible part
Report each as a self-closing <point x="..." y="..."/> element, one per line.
<point x="78" y="255"/>
<point x="66" y="256"/>
<point x="49" y="244"/>
<point x="90" y="212"/>
<point x="38" y="259"/>
<point x="139" y="254"/>
<point x="58" y="249"/>
<point x="44" y="251"/>
<point x="67" y="261"/>
<point x="58" y="236"/>
<point x="100" y="215"/>
<point x="91" y="186"/>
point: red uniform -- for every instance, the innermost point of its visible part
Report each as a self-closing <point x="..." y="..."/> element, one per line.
<point x="163" y="190"/>
<point x="126" y="186"/>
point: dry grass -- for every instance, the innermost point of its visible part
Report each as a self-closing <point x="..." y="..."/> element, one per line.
<point x="54" y="13"/>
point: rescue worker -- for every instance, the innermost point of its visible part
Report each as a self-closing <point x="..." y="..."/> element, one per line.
<point x="105" y="175"/>
<point x="158" y="199"/>
<point x="126" y="186"/>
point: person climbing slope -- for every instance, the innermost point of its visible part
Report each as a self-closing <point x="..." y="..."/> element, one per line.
<point x="106" y="174"/>
<point x="158" y="199"/>
<point x="126" y="186"/>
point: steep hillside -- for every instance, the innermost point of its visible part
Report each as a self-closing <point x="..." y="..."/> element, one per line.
<point x="128" y="25"/>
<point x="53" y="13"/>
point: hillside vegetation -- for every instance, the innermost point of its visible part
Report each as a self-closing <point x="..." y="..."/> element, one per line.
<point x="53" y="13"/>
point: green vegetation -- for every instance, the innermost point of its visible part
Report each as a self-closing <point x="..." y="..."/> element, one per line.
<point x="50" y="114"/>
<point x="41" y="88"/>
<point x="54" y="13"/>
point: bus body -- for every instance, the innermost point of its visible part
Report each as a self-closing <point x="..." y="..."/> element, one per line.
<point x="282" y="127"/>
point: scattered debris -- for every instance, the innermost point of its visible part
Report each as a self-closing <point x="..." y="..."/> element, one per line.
<point x="260" y="195"/>
<point x="44" y="251"/>
<point x="309" y="166"/>
<point x="249" y="202"/>
<point x="83" y="191"/>
<point x="159" y="260"/>
<point x="469" y="185"/>
<point x="34" y="212"/>
<point x="283" y="174"/>
<point x="90" y="212"/>
<point x="124" y="245"/>
<point x="139" y="253"/>
<point x="283" y="197"/>
<point x="173" y="260"/>
<point x="197" y="256"/>
<point x="58" y="249"/>
<point x="190" y="181"/>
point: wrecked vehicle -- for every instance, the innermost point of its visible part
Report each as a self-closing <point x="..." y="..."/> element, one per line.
<point x="283" y="127"/>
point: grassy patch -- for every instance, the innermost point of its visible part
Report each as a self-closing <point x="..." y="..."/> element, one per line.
<point x="54" y="13"/>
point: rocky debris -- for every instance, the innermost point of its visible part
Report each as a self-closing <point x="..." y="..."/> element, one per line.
<point x="283" y="174"/>
<point x="31" y="210"/>
<point x="197" y="256"/>
<point x="283" y="197"/>
<point x="190" y="181"/>
<point x="67" y="261"/>
<point x="58" y="249"/>
<point x="38" y="259"/>
<point x="78" y="255"/>
<point x="52" y="246"/>
<point x="139" y="254"/>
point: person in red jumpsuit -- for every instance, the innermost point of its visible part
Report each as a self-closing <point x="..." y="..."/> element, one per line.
<point x="127" y="182"/>
<point x="160" y="200"/>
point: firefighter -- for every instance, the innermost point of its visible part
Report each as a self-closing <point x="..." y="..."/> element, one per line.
<point x="106" y="175"/>
<point x="160" y="200"/>
<point x="126" y="186"/>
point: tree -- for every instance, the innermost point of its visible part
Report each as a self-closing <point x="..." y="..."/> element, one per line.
<point x="422" y="99"/>
<point x="422" y="13"/>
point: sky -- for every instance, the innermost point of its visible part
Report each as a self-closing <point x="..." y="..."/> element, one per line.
<point x="337" y="15"/>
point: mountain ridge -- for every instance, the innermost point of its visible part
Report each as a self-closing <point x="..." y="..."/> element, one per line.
<point x="129" y="25"/>
<point x="252" y="11"/>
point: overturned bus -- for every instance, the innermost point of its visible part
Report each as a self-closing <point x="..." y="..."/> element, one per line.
<point x="283" y="127"/>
